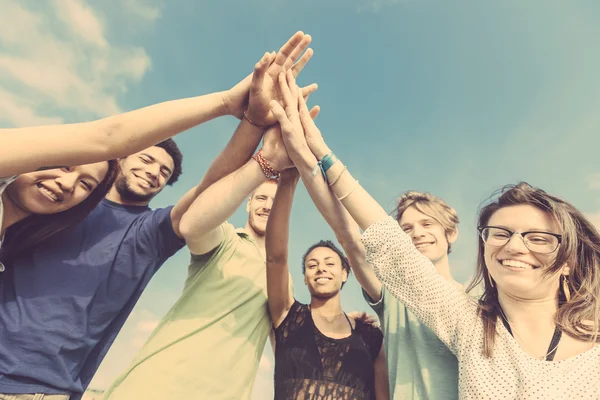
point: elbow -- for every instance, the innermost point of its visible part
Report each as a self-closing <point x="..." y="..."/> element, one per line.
<point x="107" y="142"/>
<point x="186" y="228"/>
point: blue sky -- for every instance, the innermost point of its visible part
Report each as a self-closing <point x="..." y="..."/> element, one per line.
<point x="457" y="98"/>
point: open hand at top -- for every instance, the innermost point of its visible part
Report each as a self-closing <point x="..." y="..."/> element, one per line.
<point x="256" y="91"/>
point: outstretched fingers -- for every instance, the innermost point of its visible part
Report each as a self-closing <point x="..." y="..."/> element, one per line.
<point x="290" y="48"/>
<point x="281" y="116"/>
<point x="260" y="70"/>
<point x="299" y="65"/>
<point x="289" y="95"/>
<point x="306" y="118"/>
<point x="314" y="112"/>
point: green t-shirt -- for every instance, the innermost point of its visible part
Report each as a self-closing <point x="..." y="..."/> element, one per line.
<point x="420" y="366"/>
<point x="208" y="346"/>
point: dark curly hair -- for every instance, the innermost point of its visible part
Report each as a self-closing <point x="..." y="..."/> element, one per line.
<point x="172" y="149"/>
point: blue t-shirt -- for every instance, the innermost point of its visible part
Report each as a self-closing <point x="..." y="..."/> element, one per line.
<point x="62" y="306"/>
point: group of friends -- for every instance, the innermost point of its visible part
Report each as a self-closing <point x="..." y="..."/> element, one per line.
<point x="80" y="243"/>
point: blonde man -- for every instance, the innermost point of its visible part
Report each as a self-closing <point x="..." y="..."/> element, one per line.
<point x="420" y="366"/>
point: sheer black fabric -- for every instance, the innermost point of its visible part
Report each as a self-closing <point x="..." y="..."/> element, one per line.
<point x="312" y="366"/>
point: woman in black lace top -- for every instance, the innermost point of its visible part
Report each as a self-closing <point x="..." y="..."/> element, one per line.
<point x="320" y="352"/>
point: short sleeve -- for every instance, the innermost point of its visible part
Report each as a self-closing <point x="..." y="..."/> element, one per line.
<point x="199" y="261"/>
<point x="157" y="229"/>
<point x="376" y="306"/>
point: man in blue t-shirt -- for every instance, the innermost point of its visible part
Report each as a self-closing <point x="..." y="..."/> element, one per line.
<point x="62" y="305"/>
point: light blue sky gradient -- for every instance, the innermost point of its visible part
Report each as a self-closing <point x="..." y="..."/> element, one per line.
<point x="457" y="98"/>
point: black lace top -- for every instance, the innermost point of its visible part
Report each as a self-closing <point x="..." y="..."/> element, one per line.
<point x="312" y="366"/>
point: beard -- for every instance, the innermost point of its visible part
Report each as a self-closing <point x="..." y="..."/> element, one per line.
<point x="254" y="225"/>
<point x="124" y="189"/>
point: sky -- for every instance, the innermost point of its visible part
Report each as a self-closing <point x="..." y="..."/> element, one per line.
<point x="457" y="98"/>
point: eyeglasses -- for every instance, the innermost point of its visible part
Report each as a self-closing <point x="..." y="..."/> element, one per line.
<point x="538" y="242"/>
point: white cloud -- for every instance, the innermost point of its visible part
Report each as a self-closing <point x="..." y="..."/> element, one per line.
<point x="19" y="111"/>
<point x="61" y="60"/>
<point x="142" y="9"/>
<point x="81" y="20"/>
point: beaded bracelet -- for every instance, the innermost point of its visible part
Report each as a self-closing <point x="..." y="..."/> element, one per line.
<point x="265" y="166"/>
<point x="247" y="118"/>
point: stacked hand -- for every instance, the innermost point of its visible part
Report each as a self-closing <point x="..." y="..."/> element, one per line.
<point x="296" y="121"/>
<point x="275" y="147"/>
<point x="256" y="91"/>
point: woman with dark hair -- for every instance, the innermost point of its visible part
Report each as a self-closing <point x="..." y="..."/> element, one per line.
<point x="320" y="352"/>
<point x="538" y="256"/>
<point x="36" y="205"/>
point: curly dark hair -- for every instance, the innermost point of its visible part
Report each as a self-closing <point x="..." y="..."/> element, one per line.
<point x="173" y="150"/>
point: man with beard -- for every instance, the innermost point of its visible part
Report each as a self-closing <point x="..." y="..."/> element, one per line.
<point x="63" y="305"/>
<point x="209" y="344"/>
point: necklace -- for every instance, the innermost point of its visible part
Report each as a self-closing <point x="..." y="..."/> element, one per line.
<point x="554" y="342"/>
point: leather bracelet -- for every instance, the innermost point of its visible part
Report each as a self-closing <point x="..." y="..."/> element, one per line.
<point x="252" y="122"/>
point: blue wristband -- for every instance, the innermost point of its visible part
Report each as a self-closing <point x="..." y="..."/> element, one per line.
<point x="324" y="164"/>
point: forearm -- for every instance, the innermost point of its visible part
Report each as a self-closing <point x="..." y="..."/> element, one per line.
<point x="278" y="226"/>
<point x="345" y="229"/>
<point x="236" y="153"/>
<point x="328" y="205"/>
<point x="363" y="208"/>
<point x="219" y="201"/>
<point x="28" y="149"/>
<point x="276" y="244"/>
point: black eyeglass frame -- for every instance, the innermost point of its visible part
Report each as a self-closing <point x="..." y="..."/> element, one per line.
<point x="522" y="234"/>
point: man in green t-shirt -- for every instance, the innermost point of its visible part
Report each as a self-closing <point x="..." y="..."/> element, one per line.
<point x="420" y="366"/>
<point x="209" y="344"/>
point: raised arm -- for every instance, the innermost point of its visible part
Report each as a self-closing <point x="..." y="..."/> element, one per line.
<point x="29" y="149"/>
<point x="291" y="57"/>
<point x="344" y="227"/>
<point x="276" y="244"/>
<point x="401" y="268"/>
<point x="382" y="380"/>
<point x="199" y="225"/>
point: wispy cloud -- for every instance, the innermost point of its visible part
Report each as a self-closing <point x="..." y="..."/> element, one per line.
<point x="59" y="58"/>
<point x="143" y="9"/>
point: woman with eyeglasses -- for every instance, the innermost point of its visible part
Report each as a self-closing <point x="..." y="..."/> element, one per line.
<point x="534" y="334"/>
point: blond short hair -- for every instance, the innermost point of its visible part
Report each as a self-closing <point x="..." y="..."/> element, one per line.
<point x="431" y="206"/>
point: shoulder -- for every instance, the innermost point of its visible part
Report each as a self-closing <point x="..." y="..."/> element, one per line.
<point x="367" y="330"/>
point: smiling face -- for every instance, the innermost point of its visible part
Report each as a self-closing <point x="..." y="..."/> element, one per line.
<point x="144" y="174"/>
<point x="324" y="273"/>
<point x="514" y="268"/>
<point x="55" y="190"/>
<point x="259" y="207"/>
<point x="427" y="234"/>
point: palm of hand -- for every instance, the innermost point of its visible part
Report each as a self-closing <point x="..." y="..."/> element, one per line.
<point x="259" y="99"/>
